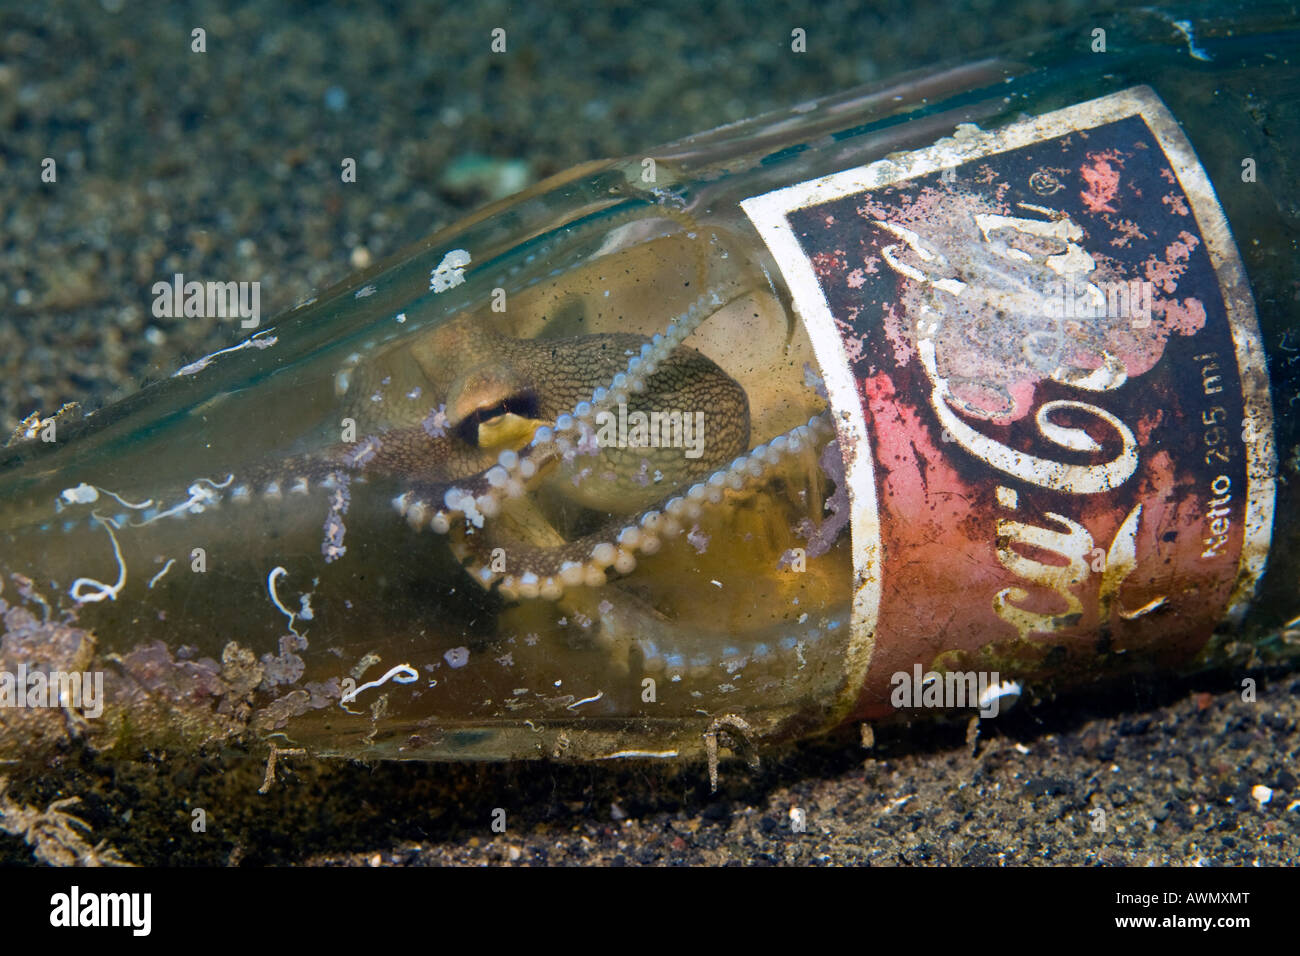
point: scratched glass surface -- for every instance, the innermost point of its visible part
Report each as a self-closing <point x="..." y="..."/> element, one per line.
<point x="453" y="523"/>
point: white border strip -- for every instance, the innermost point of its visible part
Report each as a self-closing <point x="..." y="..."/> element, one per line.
<point x="769" y="217"/>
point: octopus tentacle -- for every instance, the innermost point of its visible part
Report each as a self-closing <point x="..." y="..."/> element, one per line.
<point x="547" y="572"/>
<point x="473" y="510"/>
<point x="481" y="495"/>
<point x="407" y="452"/>
<point x="587" y="560"/>
<point x="395" y="451"/>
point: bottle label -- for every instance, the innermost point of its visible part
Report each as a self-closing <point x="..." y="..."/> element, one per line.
<point x="1042" y="355"/>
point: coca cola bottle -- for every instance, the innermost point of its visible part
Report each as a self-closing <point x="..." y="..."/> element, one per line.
<point x="973" y="384"/>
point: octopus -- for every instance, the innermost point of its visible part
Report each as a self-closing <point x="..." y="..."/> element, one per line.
<point x="577" y="470"/>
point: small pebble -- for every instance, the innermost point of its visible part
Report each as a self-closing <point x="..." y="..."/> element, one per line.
<point x="336" y="99"/>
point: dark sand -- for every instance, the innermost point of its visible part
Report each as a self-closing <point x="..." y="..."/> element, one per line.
<point x="225" y="164"/>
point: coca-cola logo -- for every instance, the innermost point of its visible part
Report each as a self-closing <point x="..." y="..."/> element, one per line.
<point x="994" y="304"/>
<point x="1019" y="281"/>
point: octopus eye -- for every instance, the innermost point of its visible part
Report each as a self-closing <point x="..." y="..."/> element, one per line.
<point x="481" y="426"/>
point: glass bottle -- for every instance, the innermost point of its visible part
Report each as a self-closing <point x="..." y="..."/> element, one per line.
<point x="973" y="384"/>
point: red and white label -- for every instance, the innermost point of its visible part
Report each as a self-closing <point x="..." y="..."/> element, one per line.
<point x="1044" y="363"/>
